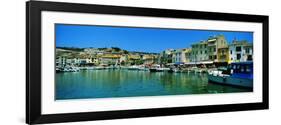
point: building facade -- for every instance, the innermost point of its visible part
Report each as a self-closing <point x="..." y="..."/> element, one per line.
<point x="223" y="55"/>
<point x="209" y="50"/>
<point x="110" y="59"/>
<point x="199" y="52"/>
<point x="180" y="55"/>
<point x="240" y="51"/>
<point x="214" y="44"/>
<point x="166" y="56"/>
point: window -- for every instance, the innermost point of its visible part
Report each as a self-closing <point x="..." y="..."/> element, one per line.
<point x="214" y="49"/>
<point x="248" y="69"/>
<point x="242" y="69"/>
<point x="238" y="48"/>
<point x="230" y="51"/>
<point x="238" y="56"/>
<point x="247" y="50"/>
<point x="249" y="58"/>
<point x="238" y="66"/>
<point x="215" y="57"/>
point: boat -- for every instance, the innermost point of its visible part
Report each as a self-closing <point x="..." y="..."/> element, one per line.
<point x="98" y="68"/>
<point x="134" y="67"/>
<point x="67" y="69"/>
<point x="158" y="68"/>
<point x="238" y="74"/>
<point x="142" y="68"/>
<point x="174" y="70"/>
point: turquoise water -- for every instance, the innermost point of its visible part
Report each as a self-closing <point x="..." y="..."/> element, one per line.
<point x="126" y="83"/>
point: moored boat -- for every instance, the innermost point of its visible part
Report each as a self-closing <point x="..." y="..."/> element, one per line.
<point x="237" y="74"/>
<point x="134" y="67"/>
<point x="67" y="69"/>
<point x="158" y="68"/>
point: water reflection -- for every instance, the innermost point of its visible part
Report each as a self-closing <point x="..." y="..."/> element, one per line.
<point x="125" y="83"/>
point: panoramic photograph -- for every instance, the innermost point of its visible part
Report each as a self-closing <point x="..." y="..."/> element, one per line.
<point x="93" y="61"/>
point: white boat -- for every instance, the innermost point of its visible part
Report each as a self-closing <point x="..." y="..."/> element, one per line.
<point x="70" y="69"/>
<point x="98" y="68"/>
<point x="134" y="67"/>
<point x="176" y="70"/>
<point x="143" y="68"/>
<point x="241" y="74"/>
<point x="158" y="68"/>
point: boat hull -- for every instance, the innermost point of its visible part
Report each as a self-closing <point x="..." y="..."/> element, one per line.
<point x="154" y="70"/>
<point x="233" y="81"/>
<point x="158" y="70"/>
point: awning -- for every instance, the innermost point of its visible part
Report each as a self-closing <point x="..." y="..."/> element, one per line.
<point x="207" y="62"/>
<point x="179" y="63"/>
<point x="190" y="63"/>
<point x="195" y="63"/>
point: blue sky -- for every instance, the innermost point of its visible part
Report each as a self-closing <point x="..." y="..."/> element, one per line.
<point x="136" y="39"/>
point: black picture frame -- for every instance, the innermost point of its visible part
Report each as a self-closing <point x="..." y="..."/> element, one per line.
<point x="33" y="61"/>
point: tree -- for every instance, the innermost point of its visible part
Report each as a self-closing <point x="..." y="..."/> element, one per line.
<point x="139" y="62"/>
<point x="102" y="48"/>
<point x="117" y="49"/>
<point x="126" y="52"/>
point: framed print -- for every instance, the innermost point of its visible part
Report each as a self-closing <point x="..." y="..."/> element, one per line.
<point x="94" y="62"/>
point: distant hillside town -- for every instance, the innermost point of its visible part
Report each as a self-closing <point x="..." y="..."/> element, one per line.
<point x="213" y="51"/>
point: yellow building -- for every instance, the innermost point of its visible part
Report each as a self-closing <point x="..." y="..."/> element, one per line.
<point x="134" y="57"/>
<point x="223" y="54"/>
<point x="187" y="53"/>
<point x="148" y="59"/>
<point x="109" y="59"/>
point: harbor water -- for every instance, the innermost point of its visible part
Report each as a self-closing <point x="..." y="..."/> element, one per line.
<point x="90" y="84"/>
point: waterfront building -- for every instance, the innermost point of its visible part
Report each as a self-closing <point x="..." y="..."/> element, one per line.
<point x="214" y="43"/>
<point x="179" y="56"/>
<point x="84" y="61"/>
<point x="72" y="61"/>
<point x="134" y="59"/>
<point x="110" y="59"/>
<point x="208" y="51"/>
<point x="199" y="52"/>
<point x="223" y="55"/>
<point x="123" y="59"/>
<point x="187" y="53"/>
<point x="166" y="56"/>
<point x="60" y="61"/>
<point x="240" y="51"/>
<point x="148" y="59"/>
<point x="95" y="60"/>
<point x="93" y="51"/>
<point x="248" y="54"/>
